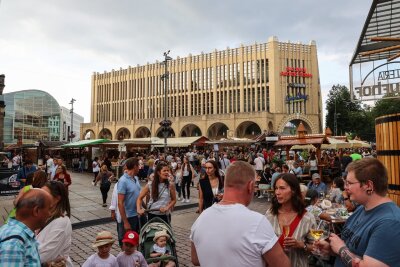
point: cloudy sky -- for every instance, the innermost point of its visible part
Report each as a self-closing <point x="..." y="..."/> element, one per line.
<point x="56" y="45"/>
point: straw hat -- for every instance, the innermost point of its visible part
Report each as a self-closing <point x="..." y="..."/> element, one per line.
<point x="103" y="238"/>
<point x="160" y="234"/>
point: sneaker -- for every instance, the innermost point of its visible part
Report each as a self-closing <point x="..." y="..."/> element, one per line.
<point x="179" y="198"/>
<point x="93" y="183"/>
<point x="187" y="200"/>
<point x="104" y="204"/>
<point x="261" y="196"/>
<point x="183" y="200"/>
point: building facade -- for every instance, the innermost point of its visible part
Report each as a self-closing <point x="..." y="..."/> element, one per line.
<point x="33" y="115"/>
<point x="66" y="124"/>
<point x="238" y="92"/>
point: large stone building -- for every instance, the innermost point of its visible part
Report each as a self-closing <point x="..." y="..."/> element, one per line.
<point x="237" y="92"/>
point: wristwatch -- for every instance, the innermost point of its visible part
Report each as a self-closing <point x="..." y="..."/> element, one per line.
<point x="305" y="247"/>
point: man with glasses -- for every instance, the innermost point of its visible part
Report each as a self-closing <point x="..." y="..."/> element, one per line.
<point x="128" y="191"/>
<point x="370" y="235"/>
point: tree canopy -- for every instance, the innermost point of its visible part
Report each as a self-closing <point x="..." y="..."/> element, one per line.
<point x="353" y="119"/>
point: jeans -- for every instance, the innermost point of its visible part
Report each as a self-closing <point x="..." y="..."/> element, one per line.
<point x="178" y="190"/>
<point x="95" y="176"/>
<point x="104" y="191"/>
<point x="186" y="185"/>
<point x="133" y="222"/>
<point x="121" y="232"/>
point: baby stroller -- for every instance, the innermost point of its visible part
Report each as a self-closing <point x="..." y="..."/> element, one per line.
<point x="146" y="242"/>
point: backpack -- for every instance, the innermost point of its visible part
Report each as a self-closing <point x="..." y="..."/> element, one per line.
<point x="104" y="180"/>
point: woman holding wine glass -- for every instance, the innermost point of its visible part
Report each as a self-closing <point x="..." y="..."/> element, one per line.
<point x="290" y="220"/>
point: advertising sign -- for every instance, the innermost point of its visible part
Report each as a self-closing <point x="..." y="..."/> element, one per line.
<point x="381" y="80"/>
<point x="8" y="183"/>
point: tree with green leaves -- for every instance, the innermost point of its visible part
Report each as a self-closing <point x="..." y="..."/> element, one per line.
<point x="339" y="104"/>
<point x="386" y="106"/>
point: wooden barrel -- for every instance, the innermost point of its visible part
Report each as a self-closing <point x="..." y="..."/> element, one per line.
<point x="388" y="150"/>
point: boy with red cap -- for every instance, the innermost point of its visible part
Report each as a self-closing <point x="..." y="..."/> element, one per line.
<point x="130" y="256"/>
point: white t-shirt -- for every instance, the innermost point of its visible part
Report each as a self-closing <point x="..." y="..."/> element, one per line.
<point x="50" y="165"/>
<point x="16" y="160"/>
<point x="219" y="242"/>
<point x="96" y="166"/>
<point x="259" y="162"/>
<point x="136" y="259"/>
<point x="96" y="261"/>
<point x="55" y="240"/>
<point x="114" y="203"/>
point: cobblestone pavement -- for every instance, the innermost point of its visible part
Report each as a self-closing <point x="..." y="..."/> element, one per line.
<point x="182" y="221"/>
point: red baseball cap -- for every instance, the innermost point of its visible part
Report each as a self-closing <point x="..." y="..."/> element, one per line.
<point x="131" y="237"/>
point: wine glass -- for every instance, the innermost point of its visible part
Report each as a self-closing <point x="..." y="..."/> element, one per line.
<point x="321" y="232"/>
<point x="285" y="232"/>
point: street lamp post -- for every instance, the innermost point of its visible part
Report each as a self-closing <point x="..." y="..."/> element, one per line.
<point x="72" y="135"/>
<point x="165" y="124"/>
<point x="335" y="115"/>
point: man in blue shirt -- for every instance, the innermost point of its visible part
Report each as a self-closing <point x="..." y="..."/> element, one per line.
<point x="25" y="171"/>
<point x="18" y="246"/>
<point x="316" y="184"/>
<point x="128" y="191"/>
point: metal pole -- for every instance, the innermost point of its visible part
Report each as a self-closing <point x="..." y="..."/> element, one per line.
<point x="335" y="120"/>
<point x="165" y="97"/>
<point x="72" y="119"/>
<point x="165" y="124"/>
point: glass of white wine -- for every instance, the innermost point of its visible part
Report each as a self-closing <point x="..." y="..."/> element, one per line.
<point x="321" y="232"/>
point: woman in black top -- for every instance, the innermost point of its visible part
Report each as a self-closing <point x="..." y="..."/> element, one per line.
<point x="211" y="186"/>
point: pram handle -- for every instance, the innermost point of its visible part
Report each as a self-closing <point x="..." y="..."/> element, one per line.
<point x="162" y="258"/>
<point x="150" y="210"/>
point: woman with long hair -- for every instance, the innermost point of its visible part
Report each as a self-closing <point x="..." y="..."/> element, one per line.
<point x="63" y="176"/>
<point x="313" y="163"/>
<point x="55" y="238"/>
<point x="39" y="179"/>
<point x="178" y="179"/>
<point x="290" y="220"/>
<point x="211" y="186"/>
<point x="188" y="175"/>
<point x="162" y="194"/>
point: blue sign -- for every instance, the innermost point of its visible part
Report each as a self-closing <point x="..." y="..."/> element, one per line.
<point x="296" y="98"/>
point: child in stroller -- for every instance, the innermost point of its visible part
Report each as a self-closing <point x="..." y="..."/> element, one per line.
<point x="157" y="243"/>
<point x="160" y="248"/>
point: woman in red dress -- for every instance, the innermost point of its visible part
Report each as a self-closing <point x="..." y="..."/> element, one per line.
<point x="63" y="176"/>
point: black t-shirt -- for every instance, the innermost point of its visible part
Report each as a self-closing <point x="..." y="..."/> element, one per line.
<point x="345" y="161"/>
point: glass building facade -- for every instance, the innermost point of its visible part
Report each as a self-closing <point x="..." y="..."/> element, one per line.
<point x="31" y="115"/>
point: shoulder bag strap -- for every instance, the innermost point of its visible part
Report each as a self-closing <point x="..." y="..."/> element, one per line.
<point x="159" y="195"/>
<point x="12" y="237"/>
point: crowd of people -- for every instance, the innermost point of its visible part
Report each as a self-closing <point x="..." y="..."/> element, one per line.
<point x="227" y="232"/>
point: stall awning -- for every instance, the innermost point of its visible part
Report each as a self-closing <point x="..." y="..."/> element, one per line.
<point x="182" y="141"/>
<point x="85" y="143"/>
<point x="136" y="141"/>
<point x="305" y="141"/>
